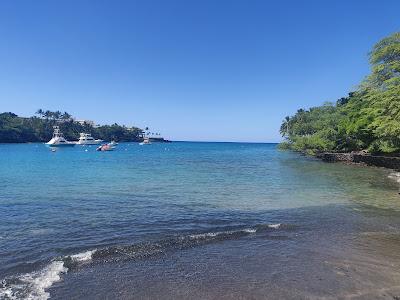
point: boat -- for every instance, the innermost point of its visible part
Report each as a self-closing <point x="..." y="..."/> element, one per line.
<point x="58" y="139"/>
<point x="87" y="139"/>
<point x="158" y="139"/>
<point x="113" y="143"/>
<point x="146" y="141"/>
<point x="152" y="137"/>
<point x="105" y="147"/>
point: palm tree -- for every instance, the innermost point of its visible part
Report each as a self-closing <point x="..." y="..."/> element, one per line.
<point x="40" y="112"/>
<point x="47" y="114"/>
<point x="57" y="115"/>
<point x="284" y="130"/>
<point x="66" y="116"/>
<point x="287" y="119"/>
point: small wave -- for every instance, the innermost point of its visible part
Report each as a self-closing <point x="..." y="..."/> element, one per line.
<point x="221" y="234"/>
<point x="33" y="286"/>
<point x="84" y="256"/>
<point x="203" y="235"/>
<point x="235" y="232"/>
<point x="275" y="226"/>
<point x="116" y="253"/>
<point x="250" y="230"/>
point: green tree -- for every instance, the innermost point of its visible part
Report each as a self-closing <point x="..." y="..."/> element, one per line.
<point x="368" y="118"/>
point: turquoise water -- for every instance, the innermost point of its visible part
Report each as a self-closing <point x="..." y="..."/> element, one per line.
<point x="194" y="220"/>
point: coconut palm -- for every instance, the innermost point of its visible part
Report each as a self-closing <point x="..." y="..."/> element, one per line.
<point x="284" y="130"/>
<point x="40" y="112"/>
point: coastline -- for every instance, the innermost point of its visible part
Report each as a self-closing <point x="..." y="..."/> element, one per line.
<point x="361" y="159"/>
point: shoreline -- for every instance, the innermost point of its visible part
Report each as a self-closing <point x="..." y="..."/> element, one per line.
<point x="361" y="159"/>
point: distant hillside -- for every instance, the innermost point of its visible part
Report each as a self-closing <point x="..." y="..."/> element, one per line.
<point x="15" y="129"/>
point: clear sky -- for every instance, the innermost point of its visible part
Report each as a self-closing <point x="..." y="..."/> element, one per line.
<point x="192" y="69"/>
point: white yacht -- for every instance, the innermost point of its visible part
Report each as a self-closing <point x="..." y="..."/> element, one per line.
<point x="146" y="141"/>
<point x="87" y="139"/>
<point x="58" y="139"/>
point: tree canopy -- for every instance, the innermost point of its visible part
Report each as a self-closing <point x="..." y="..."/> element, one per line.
<point x="367" y="119"/>
<point x="15" y="129"/>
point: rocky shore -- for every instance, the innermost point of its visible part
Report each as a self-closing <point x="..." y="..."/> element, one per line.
<point x="362" y="158"/>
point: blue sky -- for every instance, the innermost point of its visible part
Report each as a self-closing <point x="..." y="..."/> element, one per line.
<point x="192" y="69"/>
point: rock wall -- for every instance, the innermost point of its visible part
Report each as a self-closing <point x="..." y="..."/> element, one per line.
<point x="371" y="160"/>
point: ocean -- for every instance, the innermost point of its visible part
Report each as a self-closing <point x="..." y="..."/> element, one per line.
<point x="190" y="220"/>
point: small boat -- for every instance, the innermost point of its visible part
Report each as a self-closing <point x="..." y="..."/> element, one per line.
<point x="113" y="143"/>
<point x="146" y="141"/>
<point x="105" y="147"/>
<point x="58" y="139"/>
<point x="87" y="139"/>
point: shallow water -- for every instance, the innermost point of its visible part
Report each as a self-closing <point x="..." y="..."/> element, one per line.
<point x="194" y="221"/>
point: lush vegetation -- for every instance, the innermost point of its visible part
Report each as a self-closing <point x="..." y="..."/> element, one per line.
<point x="15" y="129"/>
<point x="367" y="119"/>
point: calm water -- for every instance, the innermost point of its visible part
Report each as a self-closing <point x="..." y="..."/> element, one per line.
<point x="194" y="221"/>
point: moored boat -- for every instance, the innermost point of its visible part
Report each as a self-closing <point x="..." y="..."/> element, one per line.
<point x="87" y="139"/>
<point x="146" y="141"/>
<point x="105" y="147"/>
<point x="58" y="139"/>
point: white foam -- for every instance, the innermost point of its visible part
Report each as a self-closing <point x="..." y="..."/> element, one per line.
<point x="395" y="176"/>
<point x="6" y="293"/>
<point x="33" y="286"/>
<point x="275" y="226"/>
<point x="44" y="279"/>
<point x="84" y="256"/>
<point x="215" y="234"/>
<point x="204" y="235"/>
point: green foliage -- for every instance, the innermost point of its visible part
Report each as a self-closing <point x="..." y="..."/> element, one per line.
<point x="14" y="129"/>
<point x="368" y="118"/>
<point x="284" y="146"/>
